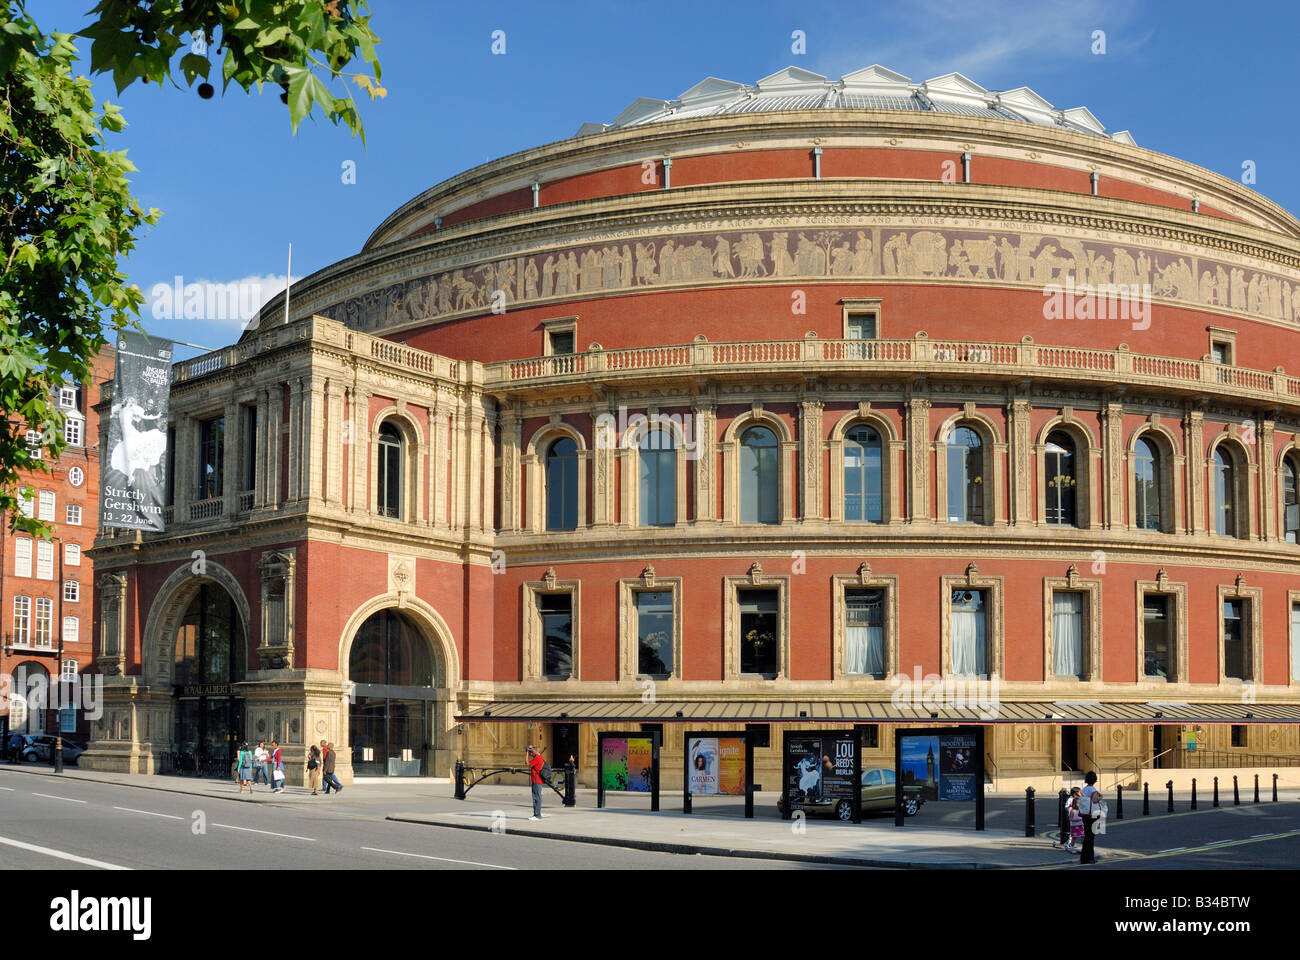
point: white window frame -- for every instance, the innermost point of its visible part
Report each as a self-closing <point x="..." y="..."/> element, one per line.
<point x="46" y="501"/>
<point x="27" y="505"/>
<point x="72" y="430"/>
<point x="72" y="635"/>
<point x="68" y="398"/>
<point x="43" y="623"/>
<point x="22" y="556"/>
<point x="72" y="554"/>
<point x="70" y="670"/>
<point x="72" y="591"/>
<point x="44" y="559"/>
<point x="34" y="444"/>
<point x="72" y="514"/>
<point x="22" y="635"/>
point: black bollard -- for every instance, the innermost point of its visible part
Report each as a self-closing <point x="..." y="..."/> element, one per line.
<point x="1193" y="793"/>
<point x="1029" y="812"/>
<point x="1062" y="820"/>
<point x="570" y="784"/>
<point x="1216" y="791"/>
<point x="460" y="780"/>
<point x="1119" y="801"/>
<point x="1275" y="788"/>
<point x="1236" y="794"/>
<point x="1170" y="785"/>
<point x="1257" y="788"/>
<point x="1146" y="799"/>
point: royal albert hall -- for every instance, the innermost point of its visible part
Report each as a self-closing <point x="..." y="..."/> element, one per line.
<point x="764" y="407"/>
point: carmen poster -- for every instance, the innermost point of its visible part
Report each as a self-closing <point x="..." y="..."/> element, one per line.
<point x="717" y="766"/>
<point x="133" y="472"/>
<point x="627" y="763"/>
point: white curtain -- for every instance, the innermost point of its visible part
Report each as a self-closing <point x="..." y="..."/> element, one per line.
<point x="865" y="650"/>
<point x="968" y="653"/>
<point x="1067" y="634"/>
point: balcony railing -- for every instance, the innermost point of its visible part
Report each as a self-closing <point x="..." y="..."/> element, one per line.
<point x="207" y="509"/>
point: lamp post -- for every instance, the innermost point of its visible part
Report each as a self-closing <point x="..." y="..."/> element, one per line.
<point x="58" y="729"/>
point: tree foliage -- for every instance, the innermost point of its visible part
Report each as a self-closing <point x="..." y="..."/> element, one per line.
<point x="67" y="216"/>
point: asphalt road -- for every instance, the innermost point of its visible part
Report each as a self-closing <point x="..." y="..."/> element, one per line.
<point x="48" y="823"/>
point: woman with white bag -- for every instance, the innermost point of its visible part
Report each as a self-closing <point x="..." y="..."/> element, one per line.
<point x="277" y="768"/>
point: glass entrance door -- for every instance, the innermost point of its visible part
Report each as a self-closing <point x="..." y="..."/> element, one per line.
<point x="391" y="719"/>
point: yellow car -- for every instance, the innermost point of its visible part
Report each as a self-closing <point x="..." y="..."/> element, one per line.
<point x="877" y="797"/>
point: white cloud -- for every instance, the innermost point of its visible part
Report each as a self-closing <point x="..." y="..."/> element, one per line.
<point x="222" y="305"/>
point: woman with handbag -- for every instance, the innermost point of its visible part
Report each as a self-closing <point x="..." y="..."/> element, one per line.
<point x="244" y="768"/>
<point x="313" y="769"/>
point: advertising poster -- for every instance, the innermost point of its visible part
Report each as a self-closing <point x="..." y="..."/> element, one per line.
<point x="133" y="471"/>
<point x="614" y="764"/>
<point x="920" y="760"/>
<point x="717" y="766"/>
<point x="640" y="764"/>
<point x="957" y="767"/>
<point x="731" y="766"/>
<point x="819" y="769"/>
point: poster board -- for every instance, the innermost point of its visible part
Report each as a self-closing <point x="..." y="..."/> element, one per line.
<point x="627" y="763"/>
<point x="717" y="763"/>
<point x="946" y="763"/>
<point x="821" y="769"/>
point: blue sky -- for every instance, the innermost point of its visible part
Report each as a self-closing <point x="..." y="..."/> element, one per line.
<point x="1209" y="83"/>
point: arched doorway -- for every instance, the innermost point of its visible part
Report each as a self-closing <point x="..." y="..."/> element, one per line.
<point x="29" y="698"/>
<point x="208" y="661"/>
<point x="392" y="717"/>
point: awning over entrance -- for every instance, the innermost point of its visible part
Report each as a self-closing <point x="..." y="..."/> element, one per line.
<point x="809" y="711"/>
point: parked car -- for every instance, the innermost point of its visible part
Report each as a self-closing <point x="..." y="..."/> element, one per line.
<point x="877" y="797"/>
<point x="39" y="747"/>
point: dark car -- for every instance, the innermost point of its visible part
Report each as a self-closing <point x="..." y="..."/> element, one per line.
<point x="877" y="797"/>
<point x="38" y="747"/>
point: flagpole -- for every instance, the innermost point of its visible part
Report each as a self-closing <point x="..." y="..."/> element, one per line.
<point x="288" y="279"/>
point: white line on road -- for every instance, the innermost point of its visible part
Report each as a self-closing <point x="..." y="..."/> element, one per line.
<point x="61" y="855"/>
<point x="50" y="796"/>
<point x="1256" y="836"/>
<point x="9" y="789"/>
<point x="1173" y="849"/>
<point x="1215" y="843"/>
<point x="287" y="836"/>
<point x="472" y="863"/>
<point x="148" y="813"/>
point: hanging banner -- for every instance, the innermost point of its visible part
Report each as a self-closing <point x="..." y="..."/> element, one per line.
<point x="133" y="470"/>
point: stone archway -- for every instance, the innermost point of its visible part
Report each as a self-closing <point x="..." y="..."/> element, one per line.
<point x="439" y="695"/>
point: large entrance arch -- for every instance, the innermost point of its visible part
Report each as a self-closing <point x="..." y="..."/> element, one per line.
<point x="398" y="664"/>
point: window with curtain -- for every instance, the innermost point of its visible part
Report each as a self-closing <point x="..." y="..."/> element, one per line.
<point x="1157" y="636"/>
<point x="864" y="633"/>
<point x="759" y="634"/>
<point x="1146" y="473"/>
<point x="389" y="473"/>
<point x="1295" y="643"/>
<point x="1235" y="644"/>
<point x="759" y="477"/>
<point x="654" y="619"/>
<point x="562" y="485"/>
<point x="863" y="478"/>
<point x="969" y="630"/>
<point x="1062" y="484"/>
<point x="1290" y="501"/>
<point x="1067" y="634"/>
<point x="1225" y="489"/>
<point x="658" y="456"/>
<point x="556" y="611"/>
<point x="965" y="476"/>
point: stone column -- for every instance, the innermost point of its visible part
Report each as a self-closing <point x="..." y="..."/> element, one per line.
<point x="810" y="435"/>
<point x="706" y="459"/>
<point x="511" y="480"/>
<point x="315" y="431"/>
<point x="1113" y="472"/>
<point x="231" y="444"/>
<point x="918" y="468"/>
<point x="1267" y="481"/>
<point x="607" y="447"/>
<point x="359" y="498"/>
<point x="1194" y="444"/>
<point x="1022" y="473"/>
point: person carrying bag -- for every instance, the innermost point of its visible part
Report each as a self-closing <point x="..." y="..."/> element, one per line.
<point x="277" y="768"/>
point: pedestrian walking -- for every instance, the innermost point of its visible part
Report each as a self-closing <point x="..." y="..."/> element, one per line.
<point x="277" y="768"/>
<point x="244" y="768"/>
<point x="15" y="747"/>
<point x="313" y="769"/>
<point x="1092" y="807"/>
<point x="1076" y="821"/>
<point x="260" y="769"/>
<point x="327" y="768"/>
<point x="535" y="765"/>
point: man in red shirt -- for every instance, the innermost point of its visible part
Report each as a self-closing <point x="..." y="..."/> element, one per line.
<point x="535" y="762"/>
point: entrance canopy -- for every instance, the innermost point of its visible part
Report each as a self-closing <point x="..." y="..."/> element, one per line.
<point x="795" y="711"/>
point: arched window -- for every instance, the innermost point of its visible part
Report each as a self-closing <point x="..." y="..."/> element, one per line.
<point x="389" y="499"/>
<point x="1147" y="480"/>
<point x="562" y="485"/>
<point x="759" y="480"/>
<point x="1225" y="494"/>
<point x="658" y="455"/>
<point x="965" y="476"/>
<point x="863" y="487"/>
<point x="1290" y="500"/>
<point x="1062" y="483"/>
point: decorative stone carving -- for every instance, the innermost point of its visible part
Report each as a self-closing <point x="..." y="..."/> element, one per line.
<point x="549" y="577"/>
<point x="278" y="576"/>
<point x="112" y="624"/>
<point x="755" y="573"/>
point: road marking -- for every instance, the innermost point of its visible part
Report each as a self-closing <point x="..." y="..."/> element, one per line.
<point x="9" y="789"/>
<point x="1173" y="849"/>
<point x="473" y="863"/>
<point x="287" y="836"/>
<point x="148" y="813"/>
<point x="61" y="855"/>
<point x="50" y="796"/>
<point x="1256" y="836"/>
